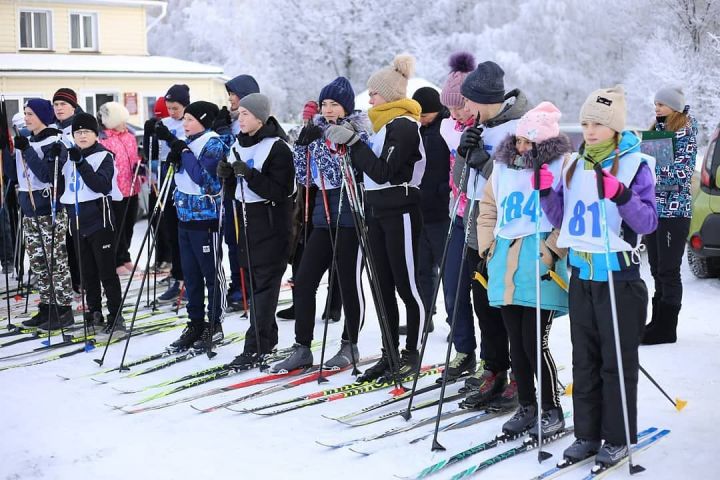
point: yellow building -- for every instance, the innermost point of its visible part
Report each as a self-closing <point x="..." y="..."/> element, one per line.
<point x="99" y="49"/>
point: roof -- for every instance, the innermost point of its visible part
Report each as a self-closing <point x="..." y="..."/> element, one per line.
<point x="58" y="64"/>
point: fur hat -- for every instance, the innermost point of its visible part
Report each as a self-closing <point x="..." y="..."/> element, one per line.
<point x="257" y="104"/>
<point x="671" y="96"/>
<point x="66" y="95"/>
<point x="179" y="93"/>
<point x="242" y="85"/>
<point x="605" y="106"/>
<point x="85" y="121"/>
<point x="540" y="123"/>
<point x="113" y="114"/>
<point x="461" y="63"/>
<point x="204" y="112"/>
<point x="42" y="109"/>
<point x="342" y="92"/>
<point x="391" y="82"/>
<point x="429" y="99"/>
<point x="485" y="84"/>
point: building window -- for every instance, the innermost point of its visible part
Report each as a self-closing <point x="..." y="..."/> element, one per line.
<point x="83" y="31"/>
<point x="35" y="29"/>
<point x="94" y="101"/>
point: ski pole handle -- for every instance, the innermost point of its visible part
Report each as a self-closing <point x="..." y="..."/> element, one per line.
<point x="536" y="166"/>
<point x="599" y="176"/>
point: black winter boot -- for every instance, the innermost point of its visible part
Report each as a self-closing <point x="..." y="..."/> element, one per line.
<point x="665" y="328"/>
<point x="39" y="318"/>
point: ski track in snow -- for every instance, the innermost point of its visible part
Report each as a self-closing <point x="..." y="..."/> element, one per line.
<point x="54" y="429"/>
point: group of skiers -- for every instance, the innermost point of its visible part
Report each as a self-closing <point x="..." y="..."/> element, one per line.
<point x="473" y="188"/>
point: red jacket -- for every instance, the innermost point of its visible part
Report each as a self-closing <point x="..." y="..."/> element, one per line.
<point x="124" y="146"/>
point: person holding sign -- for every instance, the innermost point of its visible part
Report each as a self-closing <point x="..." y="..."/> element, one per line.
<point x="572" y="204"/>
<point x="674" y="207"/>
<point x="506" y="237"/>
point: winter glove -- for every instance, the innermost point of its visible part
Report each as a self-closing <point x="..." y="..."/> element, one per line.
<point x="478" y="157"/>
<point x="309" y="134"/>
<point x="240" y="168"/>
<point x="175" y="155"/>
<point x="164" y="133"/>
<point x="546" y="180"/>
<point x="149" y="127"/>
<point x="21" y="143"/>
<point x="54" y="151"/>
<point x="75" y="155"/>
<point x="614" y="189"/>
<point x="225" y="170"/>
<point x="471" y="138"/>
<point x="341" y="134"/>
<point x="222" y="120"/>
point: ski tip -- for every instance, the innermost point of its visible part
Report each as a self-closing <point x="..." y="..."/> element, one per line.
<point x="680" y="404"/>
<point x="61" y="377"/>
<point x="99" y="382"/>
<point x="359" y="452"/>
<point x="200" y="410"/>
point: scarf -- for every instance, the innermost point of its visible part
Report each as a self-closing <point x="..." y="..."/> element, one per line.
<point x="385" y="113"/>
<point x="598" y="152"/>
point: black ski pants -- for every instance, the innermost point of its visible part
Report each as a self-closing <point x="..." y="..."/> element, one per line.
<point x="666" y="246"/>
<point x="266" y="280"/>
<point x="97" y="255"/>
<point x="393" y="240"/>
<point x="128" y="207"/>
<point x="596" y="377"/>
<point x="521" y="325"/>
<point x="316" y="260"/>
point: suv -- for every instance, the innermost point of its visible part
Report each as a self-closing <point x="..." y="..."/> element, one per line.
<point x="704" y="238"/>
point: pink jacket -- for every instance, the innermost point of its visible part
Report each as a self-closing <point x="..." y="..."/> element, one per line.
<point x="124" y="146"/>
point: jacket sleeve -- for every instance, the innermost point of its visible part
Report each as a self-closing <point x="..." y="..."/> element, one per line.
<point x="328" y="163"/>
<point x="487" y="219"/>
<point x="275" y="181"/>
<point x="639" y="212"/>
<point x="203" y="169"/>
<point x="396" y="160"/>
<point x="300" y="162"/>
<point x="99" y="180"/>
<point x="552" y="205"/>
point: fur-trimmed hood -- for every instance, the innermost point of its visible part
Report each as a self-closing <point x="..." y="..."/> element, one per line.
<point x="358" y="120"/>
<point x="547" y="151"/>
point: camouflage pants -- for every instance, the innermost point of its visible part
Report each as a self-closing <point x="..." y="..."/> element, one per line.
<point x="34" y="241"/>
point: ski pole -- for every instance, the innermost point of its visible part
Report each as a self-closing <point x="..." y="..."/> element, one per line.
<point x="4" y="211"/>
<point x="76" y="184"/>
<point x="461" y="271"/>
<point x="253" y="312"/>
<point x="678" y="403"/>
<point x="242" y="271"/>
<point x="306" y="213"/>
<point x="542" y="455"/>
<point x="436" y="288"/>
<point x="217" y="245"/>
<point x="599" y="175"/>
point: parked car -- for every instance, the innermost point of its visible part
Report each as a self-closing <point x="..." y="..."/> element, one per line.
<point x="703" y="251"/>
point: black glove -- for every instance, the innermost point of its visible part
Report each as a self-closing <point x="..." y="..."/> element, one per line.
<point x="478" y="158"/>
<point x="225" y="170"/>
<point x="309" y="134"/>
<point x="164" y="133"/>
<point x="150" y="126"/>
<point x="142" y="170"/>
<point x="241" y="168"/>
<point x="55" y="150"/>
<point x="176" y="149"/>
<point x="75" y="155"/>
<point x="222" y="120"/>
<point x="21" y="143"/>
<point x="471" y="138"/>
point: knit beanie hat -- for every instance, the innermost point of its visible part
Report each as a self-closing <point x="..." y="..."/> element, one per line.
<point x="179" y="93"/>
<point x="391" y="82"/>
<point x="113" y="114"/>
<point x="85" y="121"/>
<point x="204" y="112"/>
<point x="485" y="84"/>
<point x="429" y="99"/>
<point x="309" y="110"/>
<point x="242" y="85"/>
<point x="672" y="96"/>
<point x="257" y="104"/>
<point x="42" y="109"/>
<point x="66" y="95"/>
<point x="341" y="91"/>
<point x="605" y="106"/>
<point x="540" y="123"/>
<point x="461" y="63"/>
<point x="160" y="110"/>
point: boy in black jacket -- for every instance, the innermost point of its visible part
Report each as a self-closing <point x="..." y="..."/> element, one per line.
<point x="91" y="186"/>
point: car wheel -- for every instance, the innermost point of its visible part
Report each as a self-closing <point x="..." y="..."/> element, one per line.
<point x="702" y="267"/>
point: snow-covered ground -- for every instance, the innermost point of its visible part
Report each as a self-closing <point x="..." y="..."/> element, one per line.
<point x="54" y="429"/>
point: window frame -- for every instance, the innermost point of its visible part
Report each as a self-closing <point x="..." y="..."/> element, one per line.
<point x="95" y="31"/>
<point x="49" y="24"/>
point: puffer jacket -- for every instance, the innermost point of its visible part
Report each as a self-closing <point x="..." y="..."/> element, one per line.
<point x="124" y="147"/>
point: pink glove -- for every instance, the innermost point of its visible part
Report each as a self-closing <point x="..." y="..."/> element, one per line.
<point x="546" y="178"/>
<point x="612" y="186"/>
